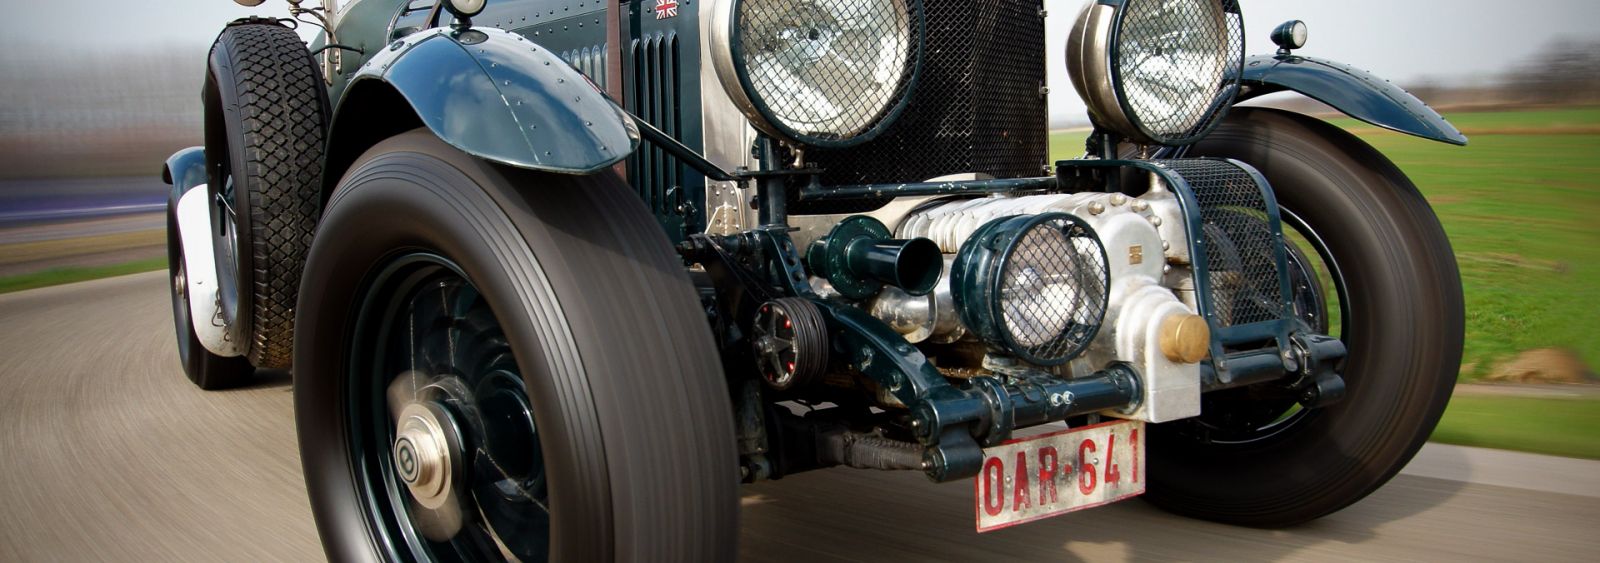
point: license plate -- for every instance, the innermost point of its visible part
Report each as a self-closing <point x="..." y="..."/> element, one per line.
<point x="1052" y="474"/>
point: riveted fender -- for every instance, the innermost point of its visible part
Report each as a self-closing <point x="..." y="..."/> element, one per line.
<point x="1356" y="92"/>
<point x="497" y="96"/>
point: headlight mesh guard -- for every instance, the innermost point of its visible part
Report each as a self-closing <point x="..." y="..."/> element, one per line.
<point x="779" y="42"/>
<point x="1155" y="20"/>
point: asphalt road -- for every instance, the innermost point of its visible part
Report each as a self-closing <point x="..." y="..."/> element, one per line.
<point x="107" y="453"/>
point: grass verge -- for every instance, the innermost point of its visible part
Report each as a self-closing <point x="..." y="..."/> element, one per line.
<point x="1552" y="426"/>
<point x="76" y="274"/>
<point x="1519" y="210"/>
<point x="22" y="252"/>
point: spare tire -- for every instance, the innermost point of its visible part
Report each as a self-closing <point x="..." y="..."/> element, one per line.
<point x="266" y="114"/>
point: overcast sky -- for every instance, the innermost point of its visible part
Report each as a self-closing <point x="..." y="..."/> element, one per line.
<point x="1406" y="41"/>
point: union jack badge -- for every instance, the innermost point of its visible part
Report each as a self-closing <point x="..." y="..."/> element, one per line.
<point x="666" y="9"/>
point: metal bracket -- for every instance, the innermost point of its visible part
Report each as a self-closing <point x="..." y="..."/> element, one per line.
<point x="1321" y="359"/>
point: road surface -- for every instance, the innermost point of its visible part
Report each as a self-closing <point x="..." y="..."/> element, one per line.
<point x="107" y="453"/>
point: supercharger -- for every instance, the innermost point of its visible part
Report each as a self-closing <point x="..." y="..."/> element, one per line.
<point x="1151" y="321"/>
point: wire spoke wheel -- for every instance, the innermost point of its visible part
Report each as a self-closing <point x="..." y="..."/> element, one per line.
<point x="1267" y="411"/>
<point x="1370" y="265"/>
<point x="232" y="270"/>
<point x="205" y="369"/>
<point x="518" y="370"/>
<point x="444" y="432"/>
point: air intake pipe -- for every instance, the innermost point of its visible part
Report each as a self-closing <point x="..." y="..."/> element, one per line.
<point x="859" y="257"/>
<point x="926" y="318"/>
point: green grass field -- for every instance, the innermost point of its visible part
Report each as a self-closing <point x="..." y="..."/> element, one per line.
<point x="60" y="276"/>
<point x="1568" y="120"/>
<point x="1521" y="205"/>
<point x="1523" y="213"/>
<point x="1564" y="427"/>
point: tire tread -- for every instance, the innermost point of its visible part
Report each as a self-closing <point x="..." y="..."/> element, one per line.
<point x="283" y="108"/>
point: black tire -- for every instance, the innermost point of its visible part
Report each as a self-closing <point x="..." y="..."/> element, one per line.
<point x="266" y="113"/>
<point x="1403" y="327"/>
<point x="618" y="361"/>
<point x="208" y="371"/>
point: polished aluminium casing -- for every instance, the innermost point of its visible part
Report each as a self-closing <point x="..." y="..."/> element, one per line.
<point x="1140" y="236"/>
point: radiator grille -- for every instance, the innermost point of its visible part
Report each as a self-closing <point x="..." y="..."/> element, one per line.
<point x="1243" y="250"/>
<point x="654" y="95"/>
<point x="978" y="106"/>
<point x="591" y="61"/>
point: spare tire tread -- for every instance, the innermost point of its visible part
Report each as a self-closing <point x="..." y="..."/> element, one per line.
<point x="283" y="106"/>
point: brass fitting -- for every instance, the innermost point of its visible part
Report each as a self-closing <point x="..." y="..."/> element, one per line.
<point x="1185" y="339"/>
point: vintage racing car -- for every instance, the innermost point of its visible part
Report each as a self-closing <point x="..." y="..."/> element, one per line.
<point x="555" y="276"/>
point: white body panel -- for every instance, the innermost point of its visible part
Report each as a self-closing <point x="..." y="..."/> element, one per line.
<point x="199" y="264"/>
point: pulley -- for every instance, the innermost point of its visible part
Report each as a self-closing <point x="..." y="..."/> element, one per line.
<point x="790" y="339"/>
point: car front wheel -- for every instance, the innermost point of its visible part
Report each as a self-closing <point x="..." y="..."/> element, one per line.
<point x="501" y="364"/>
<point x="1372" y="267"/>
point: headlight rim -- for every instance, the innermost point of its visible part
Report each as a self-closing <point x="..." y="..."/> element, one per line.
<point x="978" y="273"/>
<point x="1096" y="75"/>
<point x="727" y="48"/>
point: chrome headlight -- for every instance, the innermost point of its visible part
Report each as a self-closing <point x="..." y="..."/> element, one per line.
<point x="818" y="72"/>
<point x="1034" y="285"/>
<point x="1158" y="71"/>
<point x="466" y="8"/>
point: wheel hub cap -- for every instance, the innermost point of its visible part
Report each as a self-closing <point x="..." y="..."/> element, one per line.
<point x="423" y="453"/>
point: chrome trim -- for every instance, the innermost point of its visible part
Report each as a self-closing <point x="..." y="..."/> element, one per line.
<point x="929" y="317"/>
<point x="1089" y="66"/>
<point x="726" y="129"/>
<point x="719" y="38"/>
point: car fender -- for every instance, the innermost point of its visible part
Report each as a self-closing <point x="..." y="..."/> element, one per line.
<point x="184" y="170"/>
<point x="491" y="93"/>
<point x="1357" y="93"/>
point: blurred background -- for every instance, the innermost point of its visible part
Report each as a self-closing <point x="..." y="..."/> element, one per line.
<point x="91" y="106"/>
